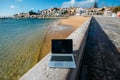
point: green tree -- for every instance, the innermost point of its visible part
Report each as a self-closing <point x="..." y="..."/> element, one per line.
<point x="116" y="9"/>
<point x="103" y="9"/>
<point x="32" y="13"/>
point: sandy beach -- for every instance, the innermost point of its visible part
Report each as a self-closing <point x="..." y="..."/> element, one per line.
<point x="74" y="21"/>
<point x="63" y="29"/>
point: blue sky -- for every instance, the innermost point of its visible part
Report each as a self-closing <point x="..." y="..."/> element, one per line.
<point x="10" y="7"/>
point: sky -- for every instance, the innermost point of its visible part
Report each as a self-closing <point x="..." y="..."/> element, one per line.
<point x="10" y="7"/>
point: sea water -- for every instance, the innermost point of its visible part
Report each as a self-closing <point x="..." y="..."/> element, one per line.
<point x="20" y="43"/>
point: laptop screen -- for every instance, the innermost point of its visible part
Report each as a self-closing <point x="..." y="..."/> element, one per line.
<point x="62" y="46"/>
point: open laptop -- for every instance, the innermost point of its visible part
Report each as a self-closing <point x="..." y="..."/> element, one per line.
<point x="62" y="54"/>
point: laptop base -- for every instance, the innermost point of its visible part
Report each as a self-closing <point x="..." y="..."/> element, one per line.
<point x="61" y="64"/>
<point x="57" y="61"/>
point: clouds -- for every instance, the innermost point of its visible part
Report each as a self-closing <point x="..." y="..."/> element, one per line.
<point x="91" y="0"/>
<point x="69" y="3"/>
<point x="83" y="4"/>
<point x="32" y="8"/>
<point x="86" y="3"/>
<point x="72" y="2"/>
<point x="12" y="7"/>
<point x="19" y="0"/>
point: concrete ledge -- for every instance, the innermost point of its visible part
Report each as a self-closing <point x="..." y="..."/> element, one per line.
<point x="41" y="71"/>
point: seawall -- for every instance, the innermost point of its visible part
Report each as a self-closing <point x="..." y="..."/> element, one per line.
<point x="41" y="71"/>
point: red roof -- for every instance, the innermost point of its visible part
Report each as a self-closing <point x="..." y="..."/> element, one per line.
<point x="118" y="14"/>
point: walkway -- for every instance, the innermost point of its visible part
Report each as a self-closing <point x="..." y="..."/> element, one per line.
<point x="102" y="53"/>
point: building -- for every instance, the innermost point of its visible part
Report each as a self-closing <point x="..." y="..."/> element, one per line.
<point x="108" y="11"/>
<point x="80" y="11"/>
<point x="21" y="15"/>
<point x="118" y="14"/>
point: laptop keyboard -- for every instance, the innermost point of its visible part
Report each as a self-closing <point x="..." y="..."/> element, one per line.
<point x="61" y="58"/>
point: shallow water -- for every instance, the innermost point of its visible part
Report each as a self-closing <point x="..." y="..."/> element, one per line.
<point x="20" y="43"/>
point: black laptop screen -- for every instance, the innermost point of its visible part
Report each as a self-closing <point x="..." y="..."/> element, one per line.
<point x="62" y="46"/>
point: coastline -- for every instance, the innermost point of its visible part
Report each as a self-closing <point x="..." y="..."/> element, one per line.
<point x="62" y="29"/>
<point x="52" y="17"/>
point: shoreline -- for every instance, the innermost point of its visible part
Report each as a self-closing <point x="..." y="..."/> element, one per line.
<point x="52" y="18"/>
<point x="69" y="17"/>
<point x="61" y="30"/>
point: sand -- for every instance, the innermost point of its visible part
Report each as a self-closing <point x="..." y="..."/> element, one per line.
<point x="63" y="29"/>
<point x="74" y="21"/>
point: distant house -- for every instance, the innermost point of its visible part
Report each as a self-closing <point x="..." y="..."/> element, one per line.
<point x="80" y="11"/>
<point x="21" y="15"/>
<point x="108" y="11"/>
<point x="72" y="11"/>
<point x="94" y="11"/>
<point x="118" y="14"/>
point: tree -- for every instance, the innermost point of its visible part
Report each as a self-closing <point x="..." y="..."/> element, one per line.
<point x="116" y="9"/>
<point x="95" y="5"/>
<point x="32" y="13"/>
<point x="103" y="9"/>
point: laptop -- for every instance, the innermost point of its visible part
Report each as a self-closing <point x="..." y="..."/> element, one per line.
<point x="62" y="54"/>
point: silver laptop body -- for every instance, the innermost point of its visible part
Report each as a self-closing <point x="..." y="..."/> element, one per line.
<point x="62" y="54"/>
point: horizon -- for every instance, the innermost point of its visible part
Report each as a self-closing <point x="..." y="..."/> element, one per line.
<point x="11" y="7"/>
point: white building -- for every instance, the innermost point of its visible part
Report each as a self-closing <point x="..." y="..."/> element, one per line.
<point x="80" y="11"/>
<point x="107" y="13"/>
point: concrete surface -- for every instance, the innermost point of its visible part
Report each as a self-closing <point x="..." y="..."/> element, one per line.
<point x="102" y="53"/>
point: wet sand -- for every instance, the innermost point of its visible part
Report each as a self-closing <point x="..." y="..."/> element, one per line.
<point x="62" y="30"/>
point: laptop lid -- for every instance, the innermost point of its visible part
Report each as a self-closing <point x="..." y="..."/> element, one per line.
<point x="62" y="46"/>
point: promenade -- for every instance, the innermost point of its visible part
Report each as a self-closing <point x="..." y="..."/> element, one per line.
<point x="102" y="52"/>
<point x="96" y="44"/>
